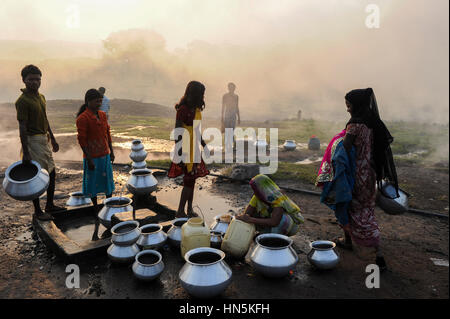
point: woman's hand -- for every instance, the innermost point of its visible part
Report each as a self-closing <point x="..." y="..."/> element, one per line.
<point x="55" y="145"/>
<point x="244" y="218"/>
<point x="112" y="156"/>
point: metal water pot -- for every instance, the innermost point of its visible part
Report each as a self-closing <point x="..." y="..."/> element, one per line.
<point x="25" y="182"/>
<point x="139" y="165"/>
<point x="138" y="156"/>
<point x="314" y="143"/>
<point x="148" y="265"/>
<point x="141" y="182"/>
<point x="125" y="233"/>
<point x="112" y="206"/>
<point x="323" y="255"/>
<point x="289" y="145"/>
<point x="388" y="201"/>
<point x="221" y="223"/>
<point x="205" y="274"/>
<point x="124" y="236"/>
<point x="78" y="199"/>
<point x="122" y="254"/>
<point x="174" y="233"/>
<point x="152" y="237"/>
<point x="136" y="145"/>
<point x="273" y="255"/>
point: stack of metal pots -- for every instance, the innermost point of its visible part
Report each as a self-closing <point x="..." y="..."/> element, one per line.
<point x="124" y="237"/>
<point x="141" y="181"/>
<point x="138" y="154"/>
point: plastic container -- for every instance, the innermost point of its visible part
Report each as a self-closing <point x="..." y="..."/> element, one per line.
<point x="238" y="238"/>
<point x="194" y="234"/>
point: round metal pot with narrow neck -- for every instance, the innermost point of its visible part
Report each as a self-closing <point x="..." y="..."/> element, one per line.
<point x="174" y="233"/>
<point x="273" y="255"/>
<point x="139" y="165"/>
<point x="138" y="156"/>
<point x="152" y="237"/>
<point x="136" y="145"/>
<point x="125" y="233"/>
<point x="323" y="255"/>
<point x="141" y="182"/>
<point x="25" y="182"/>
<point x="148" y="265"/>
<point x="114" y="205"/>
<point x="205" y="274"/>
<point x="122" y="254"/>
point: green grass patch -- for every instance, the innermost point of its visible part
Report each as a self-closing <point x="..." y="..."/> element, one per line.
<point x="289" y="171"/>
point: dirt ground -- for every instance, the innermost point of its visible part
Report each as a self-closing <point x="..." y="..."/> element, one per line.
<point x="29" y="270"/>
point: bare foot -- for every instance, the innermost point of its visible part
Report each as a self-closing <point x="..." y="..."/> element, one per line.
<point x="191" y="213"/>
<point x="180" y="215"/>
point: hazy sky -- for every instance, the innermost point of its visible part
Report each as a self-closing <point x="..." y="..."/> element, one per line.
<point x="214" y="21"/>
<point x="290" y="52"/>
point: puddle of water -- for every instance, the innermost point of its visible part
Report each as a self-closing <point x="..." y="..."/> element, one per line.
<point x="81" y="229"/>
<point x="210" y="204"/>
<point x="150" y="144"/>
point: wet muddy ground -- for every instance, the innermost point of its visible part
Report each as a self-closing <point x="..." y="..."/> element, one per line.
<point x="29" y="270"/>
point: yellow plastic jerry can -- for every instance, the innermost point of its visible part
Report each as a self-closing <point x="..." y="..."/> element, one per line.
<point x="194" y="234"/>
<point x="238" y="238"/>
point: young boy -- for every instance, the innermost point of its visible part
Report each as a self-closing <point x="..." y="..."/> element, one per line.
<point x="35" y="133"/>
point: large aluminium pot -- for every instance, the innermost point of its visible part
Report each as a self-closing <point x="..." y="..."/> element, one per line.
<point x="388" y="201"/>
<point x="205" y="274"/>
<point x="152" y="237"/>
<point x="148" y="265"/>
<point x="273" y="255"/>
<point x="174" y="233"/>
<point x="114" y="205"/>
<point x="141" y="182"/>
<point x="25" y="182"/>
<point x="322" y="254"/>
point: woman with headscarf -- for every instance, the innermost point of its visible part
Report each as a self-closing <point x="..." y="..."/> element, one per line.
<point x="192" y="167"/>
<point x="270" y="210"/>
<point x="94" y="138"/>
<point x="371" y="140"/>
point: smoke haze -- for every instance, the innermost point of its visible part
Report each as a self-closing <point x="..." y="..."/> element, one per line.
<point x="282" y="55"/>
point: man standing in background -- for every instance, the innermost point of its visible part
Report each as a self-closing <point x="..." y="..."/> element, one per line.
<point x="230" y="109"/>
<point x="105" y="103"/>
<point x="35" y="135"/>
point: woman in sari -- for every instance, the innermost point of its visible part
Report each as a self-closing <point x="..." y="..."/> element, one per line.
<point x="270" y="210"/>
<point x="188" y="117"/>
<point x="370" y="138"/>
